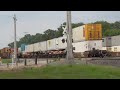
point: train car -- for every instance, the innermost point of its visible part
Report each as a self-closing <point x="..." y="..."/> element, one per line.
<point x="6" y="52"/>
<point x="29" y="49"/>
<point x="112" y="44"/>
<point x="40" y="49"/>
<point x="54" y="48"/>
<point x="81" y="47"/>
<point x="60" y="47"/>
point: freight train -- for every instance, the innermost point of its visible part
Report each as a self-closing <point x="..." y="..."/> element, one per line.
<point x="87" y="39"/>
<point x="6" y="52"/>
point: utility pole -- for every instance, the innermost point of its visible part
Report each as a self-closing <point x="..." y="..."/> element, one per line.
<point x="69" y="39"/>
<point x="15" y="45"/>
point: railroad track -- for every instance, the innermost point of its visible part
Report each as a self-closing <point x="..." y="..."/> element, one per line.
<point x="106" y="58"/>
<point x="105" y="61"/>
<point x="109" y="61"/>
<point x="93" y="58"/>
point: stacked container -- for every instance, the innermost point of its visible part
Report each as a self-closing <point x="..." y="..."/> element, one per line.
<point x="87" y="37"/>
<point x="87" y="32"/>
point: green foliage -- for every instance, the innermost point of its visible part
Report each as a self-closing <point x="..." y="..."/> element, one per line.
<point x="74" y="25"/>
<point x="112" y="32"/>
<point x="108" y="29"/>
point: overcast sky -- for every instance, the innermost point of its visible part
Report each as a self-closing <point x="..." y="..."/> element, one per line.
<point x="38" y="21"/>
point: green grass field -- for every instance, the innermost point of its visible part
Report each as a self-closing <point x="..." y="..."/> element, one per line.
<point x="64" y="72"/>
<point x="6" y="60"/>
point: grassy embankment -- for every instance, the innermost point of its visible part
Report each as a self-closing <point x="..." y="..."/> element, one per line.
<point x="64" y="72"/>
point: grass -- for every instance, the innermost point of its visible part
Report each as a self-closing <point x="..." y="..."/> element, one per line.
<point x="64" y="72"/>
<point x="6" y="60"/>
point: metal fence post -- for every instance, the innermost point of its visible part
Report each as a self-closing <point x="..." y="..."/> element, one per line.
<point x="25" y="62"/>
<point x="35" y="60"/>
<point x="47" y="60"/>
<point x="7" y="65"/>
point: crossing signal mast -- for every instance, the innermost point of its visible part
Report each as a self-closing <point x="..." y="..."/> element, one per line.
<point x="70" y="57"/>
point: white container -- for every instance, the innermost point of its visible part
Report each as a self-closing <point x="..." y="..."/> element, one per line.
<point x="36" y="47"/>
<point x="104" y="48"/>
<point x="115" y="49"/>
<point x="56" y="44"/>
<point x="43" y="46"/>
<point x="78" y="34"/>
<point x="30" y="48"/>
<point x="51" y="44"/>
<point x="19" y="50"/>
<point x="97" y="44"/>
<point x="87" y="45"/>
<point x="62" y="45"/>
<point x="115" y="40"/>
<point x="80" y="46"/>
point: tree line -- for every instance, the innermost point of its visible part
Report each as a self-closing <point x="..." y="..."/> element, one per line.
<point x="108" y="29"/>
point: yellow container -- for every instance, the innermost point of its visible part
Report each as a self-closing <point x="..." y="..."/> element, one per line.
<point x="93" y="32"/>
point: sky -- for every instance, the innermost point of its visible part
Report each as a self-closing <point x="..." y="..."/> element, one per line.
<point x="33" y="22"/>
